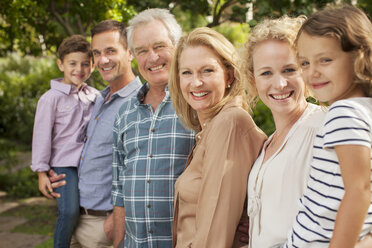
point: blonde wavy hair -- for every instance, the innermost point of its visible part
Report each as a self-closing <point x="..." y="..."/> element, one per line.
<point x="353" y="29"/>
<point x="226" y="52"/>
<point x="283" y="29"/>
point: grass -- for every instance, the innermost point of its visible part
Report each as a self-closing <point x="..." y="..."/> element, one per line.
<point x="41" y="221"/>
<point x="46" y="244"/>
<point x="17" y="179"/>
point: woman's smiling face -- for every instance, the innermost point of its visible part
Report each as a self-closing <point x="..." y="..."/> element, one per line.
<point x="203" y="78"/>
<point x="277" y="77"/>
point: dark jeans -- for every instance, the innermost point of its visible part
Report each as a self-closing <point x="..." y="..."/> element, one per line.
<point x="68" y="207"/>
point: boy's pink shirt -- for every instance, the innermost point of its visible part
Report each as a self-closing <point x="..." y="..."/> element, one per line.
<point x="59" y="127"/>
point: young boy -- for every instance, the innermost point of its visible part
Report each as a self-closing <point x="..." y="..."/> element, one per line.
<point x="59" y="131"/>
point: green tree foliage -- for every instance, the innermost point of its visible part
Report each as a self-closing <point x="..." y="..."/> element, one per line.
<point x="273" y="8"/>
<point x="236" y="33"/>
<point x="37" y="26"/>
<point x="214" y="12"/>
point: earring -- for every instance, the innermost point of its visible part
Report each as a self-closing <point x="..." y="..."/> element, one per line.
<point x="229" y="85"/>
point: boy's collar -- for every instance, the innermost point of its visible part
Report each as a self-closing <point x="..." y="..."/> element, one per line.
<point x="57" y="84"/>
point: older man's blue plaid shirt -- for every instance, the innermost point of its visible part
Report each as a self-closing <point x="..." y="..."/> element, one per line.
<point x="150" y="152"/>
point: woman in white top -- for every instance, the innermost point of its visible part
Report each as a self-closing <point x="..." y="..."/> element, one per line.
<point x="279" y="175"/>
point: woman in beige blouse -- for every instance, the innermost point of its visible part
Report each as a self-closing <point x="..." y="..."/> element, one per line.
<point x="209" y="98"/>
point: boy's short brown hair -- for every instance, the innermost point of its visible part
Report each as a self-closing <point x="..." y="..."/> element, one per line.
<point x="74" y="44"/>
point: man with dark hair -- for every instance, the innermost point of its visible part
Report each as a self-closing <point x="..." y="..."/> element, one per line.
<point x="111" y="25"/>
<point x="112" y="59"/>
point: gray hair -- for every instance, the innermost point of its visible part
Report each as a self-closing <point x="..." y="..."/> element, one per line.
<point x="146" y="16"/>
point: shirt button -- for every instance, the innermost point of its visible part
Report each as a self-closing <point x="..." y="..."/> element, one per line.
<point x="81" y="158"/>
<point x="148" y="205"/>
<point x="150" y="155"/>
<point x="96" y="118"/>
<point x="150" y="231"/>
<point x="149" y="181"/>
<point x="152" y="130"/>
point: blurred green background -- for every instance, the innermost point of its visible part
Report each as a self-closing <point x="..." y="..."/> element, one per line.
<point x="31" y="30"/>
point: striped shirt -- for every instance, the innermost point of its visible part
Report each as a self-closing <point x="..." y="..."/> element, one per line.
<point x="348" y="122"/>
<point x="150" y="152"/>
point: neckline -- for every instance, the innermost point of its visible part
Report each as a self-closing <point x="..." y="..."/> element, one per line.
<point x="257" y="189"/>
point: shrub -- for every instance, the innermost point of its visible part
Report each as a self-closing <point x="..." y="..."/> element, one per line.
<point x="22" y="81"/>
<point x="21" y="184"/>
<point x="263" y="118"/>
<point x="7" y="156"/>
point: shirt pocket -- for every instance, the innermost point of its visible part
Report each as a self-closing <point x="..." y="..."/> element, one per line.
<point x="66" y="111"/>
<point x="105" y="128"/>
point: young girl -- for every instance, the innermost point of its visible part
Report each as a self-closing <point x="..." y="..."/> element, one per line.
<point x="335" y="53"/>
<point x="59" y="130"/>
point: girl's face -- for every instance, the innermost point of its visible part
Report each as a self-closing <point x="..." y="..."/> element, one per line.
<point x="327" y="69"/>
<point x="278" y="79"/>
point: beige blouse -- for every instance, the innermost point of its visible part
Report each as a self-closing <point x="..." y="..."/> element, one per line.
<point x="210" y="193"/>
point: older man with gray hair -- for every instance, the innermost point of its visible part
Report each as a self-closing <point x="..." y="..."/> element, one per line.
<point x="150" y="144"/>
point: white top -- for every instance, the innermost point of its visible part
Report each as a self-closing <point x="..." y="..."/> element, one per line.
<point x="275" y="186"/>
<point x="348" y="122"/>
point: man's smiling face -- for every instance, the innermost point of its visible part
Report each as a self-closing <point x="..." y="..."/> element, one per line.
<point x="111" y="58"/>
<point x="153" y="51"/>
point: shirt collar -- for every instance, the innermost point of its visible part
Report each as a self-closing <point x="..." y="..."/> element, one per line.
<point x="129" y="88"/>
<point x="145" y="88"/>
<point x="236" y="101"/>
<point x="123" y="92"/>
<point x="142" y="92"/>
<point x="57" y="84"/>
